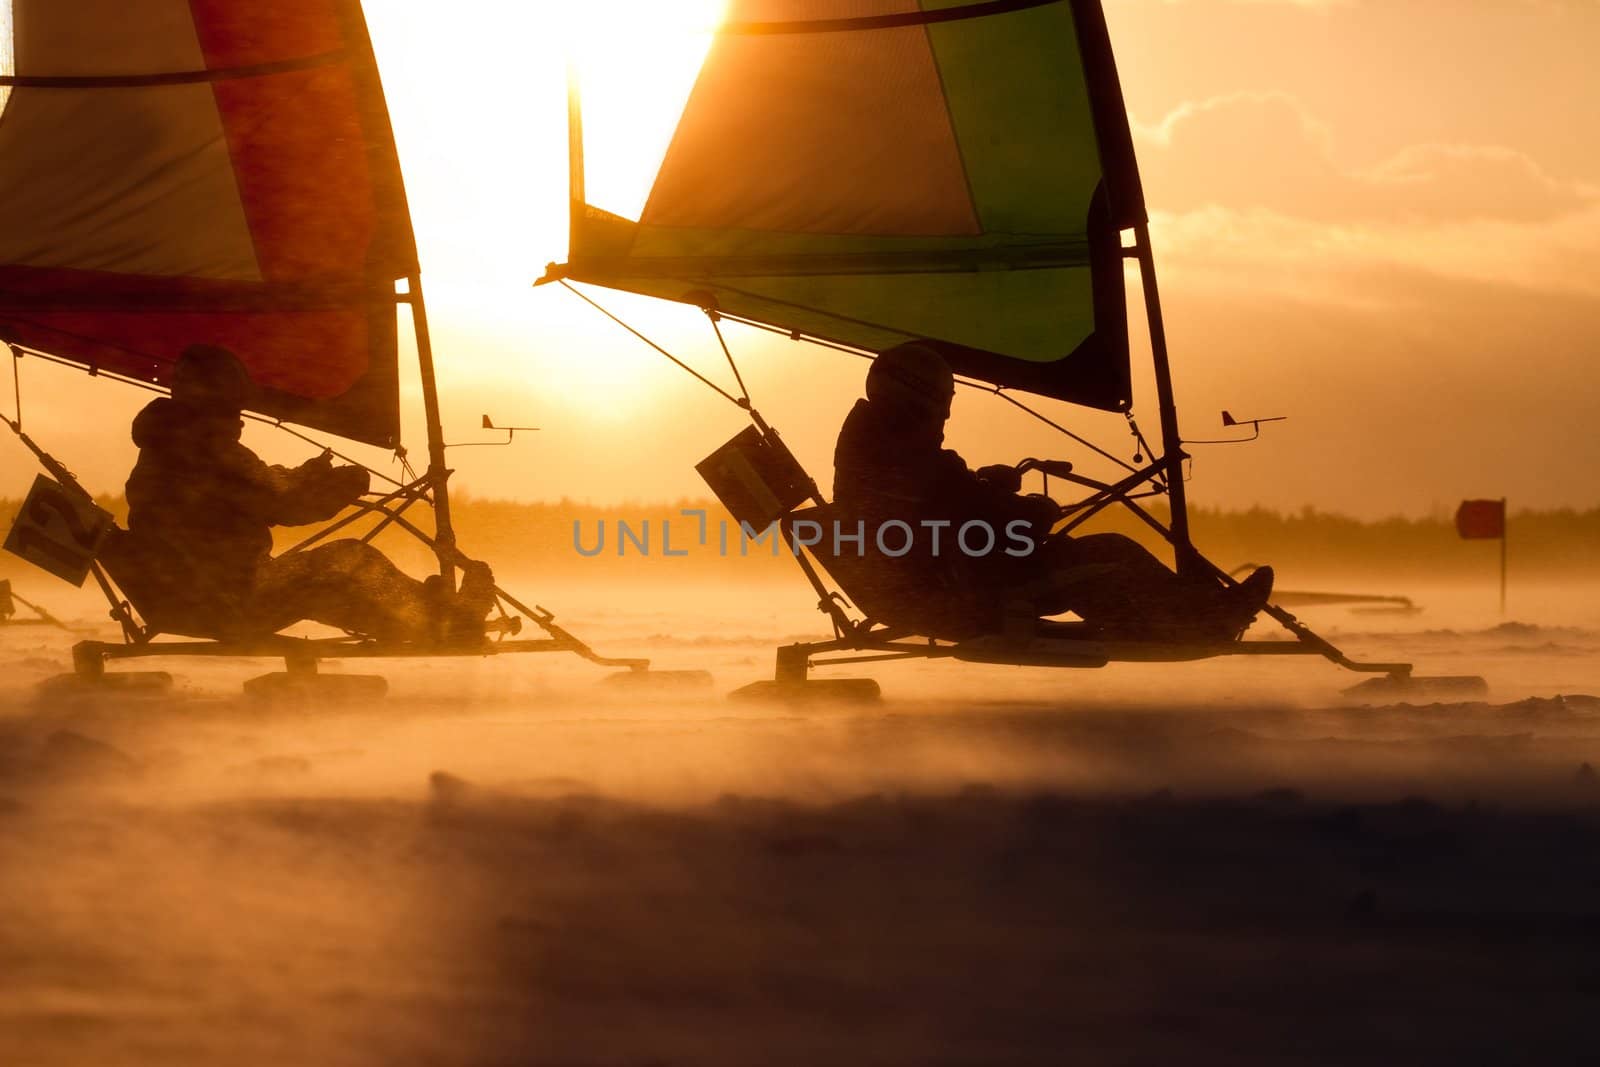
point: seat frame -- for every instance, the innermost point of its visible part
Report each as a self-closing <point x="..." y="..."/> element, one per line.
<point x="859" y="638"/>
<point x="302" y="655"/>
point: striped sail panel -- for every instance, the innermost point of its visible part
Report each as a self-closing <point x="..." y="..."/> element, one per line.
<point x="875" y="171"/>
<point x="218" y="171"/>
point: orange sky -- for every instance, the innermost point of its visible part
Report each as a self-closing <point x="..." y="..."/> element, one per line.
<point x="1378" y="217"/>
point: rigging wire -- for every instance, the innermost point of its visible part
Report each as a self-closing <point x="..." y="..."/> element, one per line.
<point x="292" y="432"/>
<point x="985" y="387"/>
<point x="269" y="420"/>
<point x="1000" y="392"/>
<point x="16" y="379"/>
<point x="410" y="492"/>
<point x="729" y="397"/>
<point x="407" y="489"/>
<point x="795" y="335"/>
<point x="717" y="328"/>
<point x="94" y="372"/>
<point x="405" y="464"/>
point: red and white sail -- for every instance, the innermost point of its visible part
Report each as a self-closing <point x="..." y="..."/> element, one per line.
<point x="218" y="171"/>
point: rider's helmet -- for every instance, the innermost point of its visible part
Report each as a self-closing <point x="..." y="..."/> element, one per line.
<point x="211" y="377"/>
<point x="912" y="377"/>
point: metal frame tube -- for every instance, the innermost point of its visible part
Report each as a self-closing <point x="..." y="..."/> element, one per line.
<point x="438" y="475"/>
<point x="1172" y="453"/>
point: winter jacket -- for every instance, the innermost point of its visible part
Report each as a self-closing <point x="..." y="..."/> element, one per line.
<point x="889" y="467"/>
<point x="201" y="507"/>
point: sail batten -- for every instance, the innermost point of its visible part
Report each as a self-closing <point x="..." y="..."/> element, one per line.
<point x="176" y="77"/>
<point x="894" y="20"/>
<point x="957" y="173"/>
<point x="1032" y="257"/>
<point x="226" y="176"/>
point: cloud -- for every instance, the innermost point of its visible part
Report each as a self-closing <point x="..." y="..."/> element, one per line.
<point x="1411" y="387"/>
<point x="1259" y="250"/>
<point x="1250" y="151"/>
<point x="1442" y="181"/>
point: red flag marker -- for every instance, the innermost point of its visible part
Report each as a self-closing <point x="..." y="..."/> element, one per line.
<point x="1485" y="520"/>
<point x="1481" y="519"/>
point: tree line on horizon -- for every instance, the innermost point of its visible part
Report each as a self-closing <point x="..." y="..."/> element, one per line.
<point x="539" y="536"/>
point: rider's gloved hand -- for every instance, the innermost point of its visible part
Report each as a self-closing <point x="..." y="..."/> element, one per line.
<point x="1044" y="511"/>
<point x="352" y="482"/>
<point x="1001" y="476"/>
<point x="343" y="482"/>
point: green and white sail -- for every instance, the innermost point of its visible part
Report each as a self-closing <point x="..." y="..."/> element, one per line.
<point x="874" y="171"/>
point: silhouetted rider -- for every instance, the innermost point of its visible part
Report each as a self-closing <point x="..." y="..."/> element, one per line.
<point x="890" y="466"/>
<point x="201" y="507"/>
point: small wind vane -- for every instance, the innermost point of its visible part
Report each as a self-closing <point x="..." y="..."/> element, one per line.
<point x="488" y="424"/>
<point x="1228" y="422"/>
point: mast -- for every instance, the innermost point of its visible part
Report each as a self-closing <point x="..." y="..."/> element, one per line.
<point x="576" y="192"/>
<point x="1172" y="453"/>
<point x="438" y="473"/>
<point x="386" y="156"/>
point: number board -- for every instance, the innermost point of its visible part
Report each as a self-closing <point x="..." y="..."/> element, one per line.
<point x="58" y="531"/>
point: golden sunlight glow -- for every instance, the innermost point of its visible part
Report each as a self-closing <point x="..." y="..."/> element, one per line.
<point x="478" y="99"/>
<point x="633" y="86"/>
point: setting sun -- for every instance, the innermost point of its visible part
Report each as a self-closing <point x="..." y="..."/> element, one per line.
<point x="479" y="105"/>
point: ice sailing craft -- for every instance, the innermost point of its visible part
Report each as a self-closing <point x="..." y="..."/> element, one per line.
<point x="222" y="172"/>
<point x="961" y="175"/>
